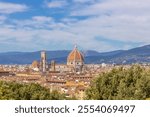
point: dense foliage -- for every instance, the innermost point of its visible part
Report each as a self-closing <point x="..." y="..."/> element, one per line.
<point x="131" y="83"/>
<point x="16" y="91"/>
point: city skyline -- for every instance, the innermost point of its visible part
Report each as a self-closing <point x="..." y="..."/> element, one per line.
<point x="102" y="25"/>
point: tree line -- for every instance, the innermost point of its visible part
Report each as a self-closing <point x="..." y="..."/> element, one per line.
<point x="121" y="84"/>
<point x="17" y="91"/>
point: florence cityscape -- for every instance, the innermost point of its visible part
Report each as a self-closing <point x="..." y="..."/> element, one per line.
<point x="74" y="50"/>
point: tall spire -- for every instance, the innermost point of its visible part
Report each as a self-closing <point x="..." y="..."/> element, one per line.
<point x="75" y="46"/>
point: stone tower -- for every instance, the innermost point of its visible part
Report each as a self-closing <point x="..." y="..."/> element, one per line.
<point x="43" y="63"/>
<point x="53" y="65"/>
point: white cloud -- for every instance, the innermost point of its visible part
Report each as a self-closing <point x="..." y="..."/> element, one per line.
<point x="114" y="6"/>
<point x="8" y="8"/>
<point x="84" y="1"/>
<point x="42" y="18"/>
<point x="2" y="18"/>
<point x="56" y="4"/>
<point x="35" y="22"/>
<point x="38" y="38"/>
<point x="123" y="21"/>
<point x="118" y="20"/>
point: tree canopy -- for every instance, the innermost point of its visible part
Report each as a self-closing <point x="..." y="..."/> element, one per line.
<point x="17" y="91"/>
<point x="121" y="84"/>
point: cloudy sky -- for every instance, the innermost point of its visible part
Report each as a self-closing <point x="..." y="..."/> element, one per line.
<point x="102" y="25"/>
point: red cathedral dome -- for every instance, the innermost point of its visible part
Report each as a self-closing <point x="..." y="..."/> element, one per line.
<point x="75" y="56"/>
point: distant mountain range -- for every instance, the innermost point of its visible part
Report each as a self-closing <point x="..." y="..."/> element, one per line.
<point x="135" y="55"/>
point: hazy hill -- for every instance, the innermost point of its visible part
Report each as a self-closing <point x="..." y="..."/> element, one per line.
<point x="139" y="54"/>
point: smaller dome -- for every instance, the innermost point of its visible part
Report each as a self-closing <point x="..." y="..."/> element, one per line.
<point x="35" y="64"/>
<point x="75" y="55"/>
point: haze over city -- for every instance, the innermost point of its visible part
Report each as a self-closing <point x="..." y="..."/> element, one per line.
<point x="102" y="25"/>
